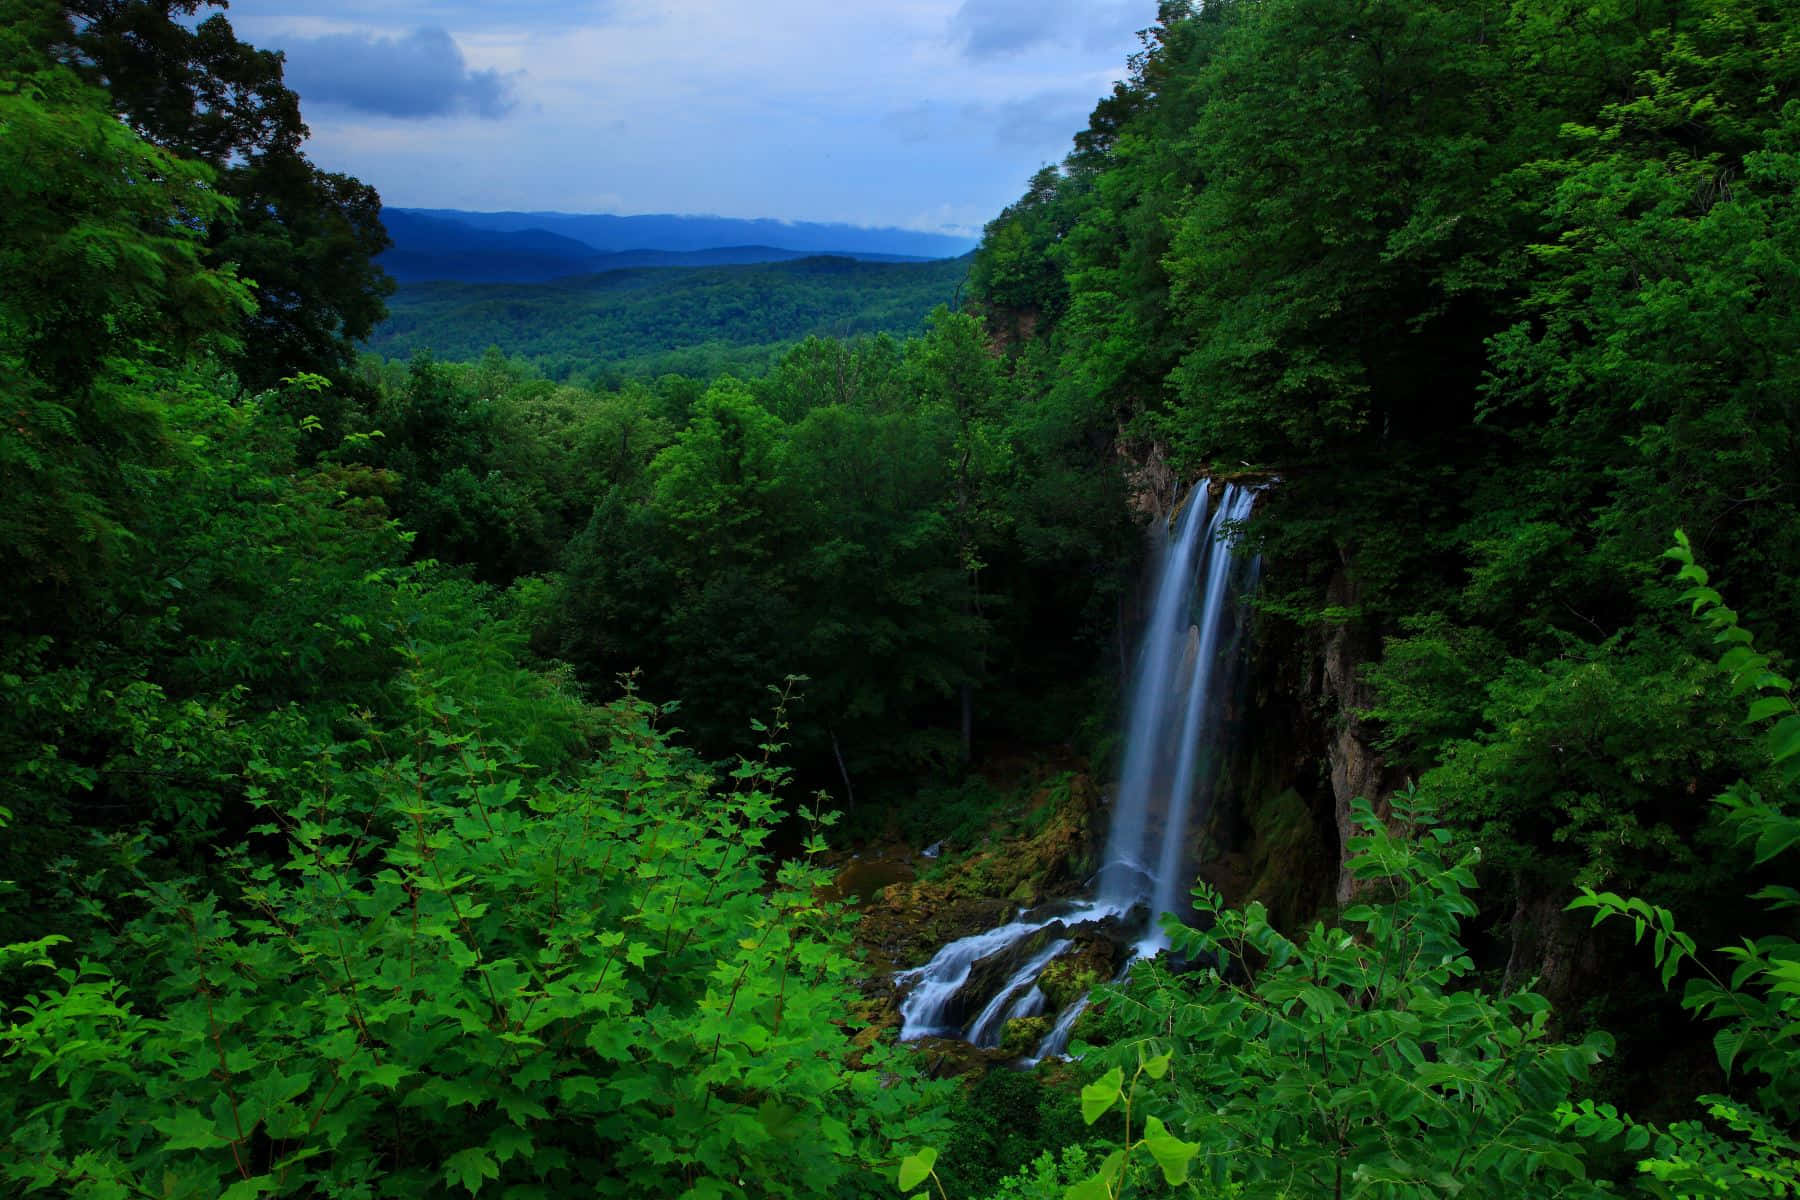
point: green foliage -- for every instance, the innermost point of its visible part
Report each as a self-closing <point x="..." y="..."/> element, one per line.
<point x="1352" y="1062"/>
<point x="1743" y="1151"/>
<point x="305" y="239"/>
<point x="1048" y="1177"/>
<point x="649" y="321"/>
<point x="145" y="694"/>
<point x="102" y="287"/>
<point x="1584" y="766"/>
<point x="860" y="515"/>
<point x="456" y="977"/>
<point x="316" y="885"/>
<point x="1003" y="1122"/>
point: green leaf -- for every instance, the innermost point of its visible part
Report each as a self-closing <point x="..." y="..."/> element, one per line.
<point x="189" y="1130"/>
<point x="1157" y="1067"/>
<point x="470" y="1167"/>
<point x="1726" y="1044"/>
<point x="1099" y="1185"/>
<point x="916" y="1168"/>
<point x="1776" y="838"/>
<point x="1171" y="1153"/>
<point x="1101" y="1095"/>
<point x="1092" y="1188"/>
<point x="387" y="1075"/>
<point x="1769" y="706"/>
<point x="1784" y="739"/>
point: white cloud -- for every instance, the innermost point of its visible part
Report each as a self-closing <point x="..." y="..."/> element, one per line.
<point x="873" y="113"/>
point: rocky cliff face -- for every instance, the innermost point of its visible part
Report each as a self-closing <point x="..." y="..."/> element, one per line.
<point x="1301" y="756"/>
<point x="1308" y="756"/>
<point x="1356" y="769"/>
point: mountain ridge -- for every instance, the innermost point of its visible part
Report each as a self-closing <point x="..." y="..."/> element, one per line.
<point x="450" y="245"/>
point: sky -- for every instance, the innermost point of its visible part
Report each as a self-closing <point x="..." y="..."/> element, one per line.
<point x="920" y="114"/>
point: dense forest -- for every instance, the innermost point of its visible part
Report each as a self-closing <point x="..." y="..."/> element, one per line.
<point x="644" y="322"/>
<point x="433" y="776"/>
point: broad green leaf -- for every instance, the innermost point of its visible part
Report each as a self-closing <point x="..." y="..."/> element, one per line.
<point x="1092" y="1188"/>
<point x="1101" y="1095"/>
<point x="1784" y="739"/>
<point x="916" y="1168"/>
<point x="189" y="1130"/>
<point x="1726" y="1044"/>
<point x="470" y="1168"/>
<point x="1769" y="706"/>
<point x="1171" y="1153"/>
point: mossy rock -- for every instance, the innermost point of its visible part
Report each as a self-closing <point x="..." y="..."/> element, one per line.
<point x="903" y="924"/>
<point x="987" y="976"/>
<point x="865" y="877"/>
<point x="1022" y="1035"/>
<point x="1290" y="871"/>
<point x="944" y="1058"/>
<point x="1068" y="979"/>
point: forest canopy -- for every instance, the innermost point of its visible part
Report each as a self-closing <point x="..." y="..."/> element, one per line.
<point x="419" y="775"/>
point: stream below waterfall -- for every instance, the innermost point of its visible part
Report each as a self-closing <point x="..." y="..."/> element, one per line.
<point x="1183" y="675"/>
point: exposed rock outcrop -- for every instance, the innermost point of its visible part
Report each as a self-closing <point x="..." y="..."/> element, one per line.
<point x="1357" y="770"/>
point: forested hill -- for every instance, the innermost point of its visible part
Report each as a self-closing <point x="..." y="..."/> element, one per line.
<point x="609" y="232"/>
<point x="649" y="321"/>
<point x="417" y="778"/>
<point x="1504" y="300"/>
<point x="1502" y="297"/>
<point x="444" y="248"/>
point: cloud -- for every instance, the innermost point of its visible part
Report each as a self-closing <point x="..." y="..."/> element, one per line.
<point x="990" y="28"/>
<point x="463" y="16"/>
<point x="1000" y="28"/>
<point x="1040" y="123"/>
<point x="912" y="125"/>
<point x="420" y="74"/>
<point x="878" y="113"/>
<point x="1045" y="120"/>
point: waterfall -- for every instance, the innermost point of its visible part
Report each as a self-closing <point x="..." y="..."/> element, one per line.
<point x="1180" y="682"/>
<point x="1188" y="645"/>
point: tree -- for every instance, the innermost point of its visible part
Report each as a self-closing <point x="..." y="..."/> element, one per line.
<point x="457" y="976"/>
<point x="1743" y="1148"/>
<point x="103" y="287"/>
<point x="959" y="385"/>
<point x="1349" y="1062"/>
<point x="305" y="238"/>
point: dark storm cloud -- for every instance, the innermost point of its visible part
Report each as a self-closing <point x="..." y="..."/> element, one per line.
<point x="420" y="74"/>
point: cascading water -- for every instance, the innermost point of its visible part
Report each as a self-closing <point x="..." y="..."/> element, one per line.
<point x="1190" y="643"/>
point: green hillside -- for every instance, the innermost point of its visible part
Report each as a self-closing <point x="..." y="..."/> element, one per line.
<point x="424" y="778"/>
<point x="648" y="320"/>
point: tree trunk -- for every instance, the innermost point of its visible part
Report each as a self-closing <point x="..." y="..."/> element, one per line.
<point x="849" y="791"/>
<point x="968" y="723"/>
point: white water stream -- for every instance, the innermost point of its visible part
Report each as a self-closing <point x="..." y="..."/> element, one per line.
<point x="1183" y="671"/>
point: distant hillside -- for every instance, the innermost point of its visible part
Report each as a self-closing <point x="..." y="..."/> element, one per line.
<point x="645" y="321"/>
<point x="444" y="246"/>
<point x="441" y="248"/>
<point x="666" y="232"/>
